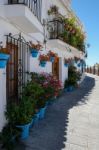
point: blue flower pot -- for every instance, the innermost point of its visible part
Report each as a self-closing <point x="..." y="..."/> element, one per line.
<point x="42" y="63"/>
<point x="42" y="113"/>
<point x="65" y="89"/>
<point x="3" y="60"/>
<point x="78" y="65"/>
<point x="3" y="63"/>
<point x="34" y="52"/>
<point x="70" y="88"/>
<point x="52" y="59"/>
<point x="36" y="117"/>
<point x="50" y="102"/>
<point x="25" y="131"/>
<point x="32" y="122"/>
<point x="4" y="56"/>
<point x="66" y="65"/>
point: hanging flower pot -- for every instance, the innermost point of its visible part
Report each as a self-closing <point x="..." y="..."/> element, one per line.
<point x="67" y="62"/>
<point x="34" y="52"/>
<point x="76" y="59"/>
<point x="42" y="63"/>
<point x="52" y="59"/>
<point x="52" y="56"/>
<point x="34" y="49"/>
<point x="3" y="64"/>
<point x="78" y="65"/>
<point x="43" y="60"/>
<point x="3" y="60"/>
<point x="66" y="65"/>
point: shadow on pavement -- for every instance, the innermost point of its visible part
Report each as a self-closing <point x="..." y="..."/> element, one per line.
<point x="50" y="133"/>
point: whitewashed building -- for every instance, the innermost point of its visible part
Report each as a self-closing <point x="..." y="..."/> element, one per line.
<point x="22" y="21"/>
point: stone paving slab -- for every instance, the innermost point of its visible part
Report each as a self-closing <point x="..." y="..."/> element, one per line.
<point x="72" y="123"/>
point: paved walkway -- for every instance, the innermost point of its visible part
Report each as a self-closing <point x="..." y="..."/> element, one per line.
<point x="72" y="123"/>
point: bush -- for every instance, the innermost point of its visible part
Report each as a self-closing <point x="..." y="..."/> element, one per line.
<point x="73" y="77"/>
<point x="33" y="90"/>
<point x="8" y="136"/>
<point x="51" y="85"/>
<point x="20" y="114"/>
<point x="36" y="93"/>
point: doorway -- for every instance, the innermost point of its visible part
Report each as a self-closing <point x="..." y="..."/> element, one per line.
<point x="55" y="67"/>
<point x="17" y="67"/>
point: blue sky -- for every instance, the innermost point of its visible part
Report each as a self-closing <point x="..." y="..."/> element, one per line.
<point x="88" y="12"/>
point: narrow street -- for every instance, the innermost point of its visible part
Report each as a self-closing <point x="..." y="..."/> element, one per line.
<point x="71" y="123"/>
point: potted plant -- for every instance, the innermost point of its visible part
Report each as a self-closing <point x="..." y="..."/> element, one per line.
<point x="52" y="56"/>
<point x="67" y="62"/>
<point x="35" y="48"/>
<point x="20" y="115"/>
<point x="9" y="136"/>
<point x="35" y="91"/>
<point x="3" y="59"/>
<point x="79" y="65"/>
<point x="73" y="77"/>
<point x="76" y="59"/>
<point x="43" y="59"/>
<point x="52" y="87"/>
<point x="53" y="12"/>
<point x="72" y="34"/>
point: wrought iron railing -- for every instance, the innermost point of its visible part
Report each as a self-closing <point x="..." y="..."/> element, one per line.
<point x="57" y="31"/>
<point x="56" y="28"/>
<point x="34" y="5"/>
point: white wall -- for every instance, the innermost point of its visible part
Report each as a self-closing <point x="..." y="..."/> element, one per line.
<point x="2" y="97"/>
<point x="35" y="67"/>
<point x="63" y="71"/>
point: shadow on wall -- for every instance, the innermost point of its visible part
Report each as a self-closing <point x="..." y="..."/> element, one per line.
<point x="50" y="133"/>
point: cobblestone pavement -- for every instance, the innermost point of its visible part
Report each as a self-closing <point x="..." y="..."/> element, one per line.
<point x="72" y="123"/>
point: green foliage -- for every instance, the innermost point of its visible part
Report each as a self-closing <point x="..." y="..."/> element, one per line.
<point x="20" y="114"/>
<point x="53" y="10"/>
<point x="33" y="90"/>
<point x="49" y="83"/>
<point x="73" y="35"/>
<point x="36" y="92"/>
<point x="8" y="136"/>
<point x="73" y="77"/>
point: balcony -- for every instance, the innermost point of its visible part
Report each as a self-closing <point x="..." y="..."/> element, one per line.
<point x="26" y="14"/>
<point x="56" y="29"/>
<point x="57" y="40"/>
<point x="33" y="5"/>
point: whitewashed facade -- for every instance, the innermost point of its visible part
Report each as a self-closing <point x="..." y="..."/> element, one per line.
<point x="18" y="18"/>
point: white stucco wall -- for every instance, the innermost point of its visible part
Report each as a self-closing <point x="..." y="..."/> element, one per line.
<point x="35" y="67"/>
<point x="2" y="97"/>
<point x="63" y="71"/>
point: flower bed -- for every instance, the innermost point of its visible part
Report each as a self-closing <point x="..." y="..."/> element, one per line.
<point x="42" y="89"/>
